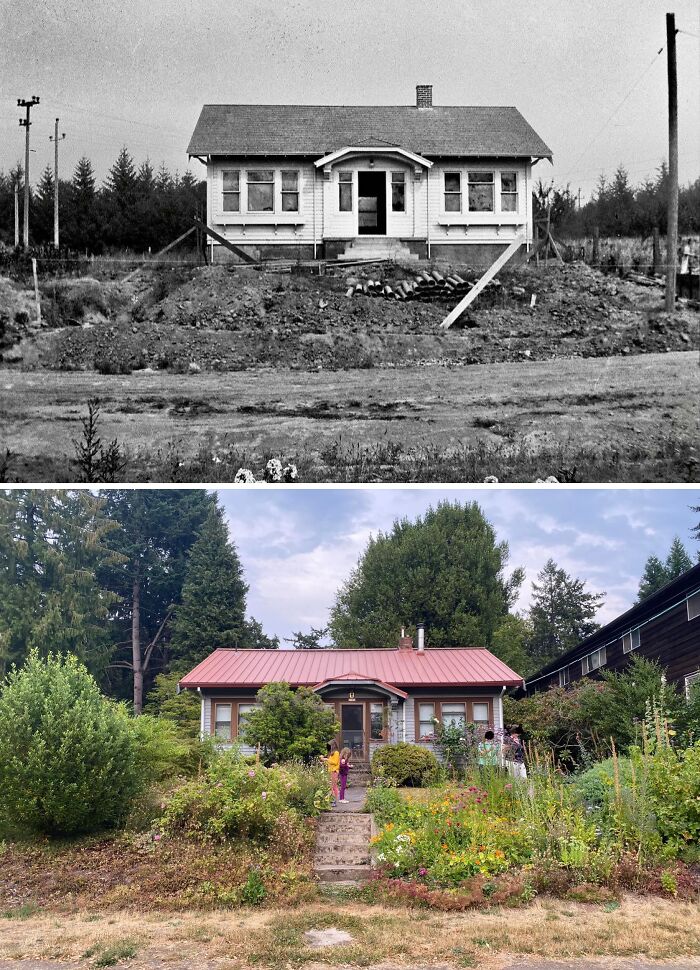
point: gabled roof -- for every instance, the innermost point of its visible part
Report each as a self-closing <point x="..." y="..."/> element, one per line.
<point x="293" y="129"/>
<point x="465" y="667"/>
<point x="355" y="678"/>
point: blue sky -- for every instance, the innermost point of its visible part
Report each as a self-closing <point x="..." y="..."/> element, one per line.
<point x="298" y="545"/>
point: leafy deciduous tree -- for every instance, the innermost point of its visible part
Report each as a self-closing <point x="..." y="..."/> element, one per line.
<point x="289" y="724"/>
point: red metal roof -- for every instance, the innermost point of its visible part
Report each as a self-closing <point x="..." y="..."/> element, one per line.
<point x="463" y="667"/>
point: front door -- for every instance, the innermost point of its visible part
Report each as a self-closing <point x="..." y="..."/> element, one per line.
<point x="371" y="203"/>
<point x="352" y="728"/>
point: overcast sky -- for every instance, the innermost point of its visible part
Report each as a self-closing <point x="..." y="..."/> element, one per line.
<point x="136" y="72"/>
<point x="298" y="546"/>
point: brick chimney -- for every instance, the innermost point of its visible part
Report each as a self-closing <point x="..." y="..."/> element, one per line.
<point x="405" y="643"/>
<point x="424" y="95"/>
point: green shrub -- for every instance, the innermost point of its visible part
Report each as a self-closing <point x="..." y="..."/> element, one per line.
<point x="406" y="764"/>
<point x="597" y="785"/>
<point x="235" y="798"/>
<point x="289" y="724"/>
<point x="69" y="758"/>
<point x="674" y="794"/>
<point x="385" y="803"/>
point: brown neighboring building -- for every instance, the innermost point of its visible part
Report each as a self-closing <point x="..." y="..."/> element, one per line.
<point x="664" y="628"/>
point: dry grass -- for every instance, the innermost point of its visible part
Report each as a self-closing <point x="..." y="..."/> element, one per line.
<point x="640" y="927"/>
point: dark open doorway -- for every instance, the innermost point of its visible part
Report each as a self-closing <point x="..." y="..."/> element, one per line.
<point x="371" y="206"/>
<point x="352" y="728"/>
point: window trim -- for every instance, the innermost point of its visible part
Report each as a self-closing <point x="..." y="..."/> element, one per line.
<point x="492" y="183"/>
<point x="467" y="700"/>
<point x="344" y="182"/>
<point x="564" y="676"/>
<point x="212" y="726"/>
<point x="586" y="667"/>
<point x="628" y="639"/>
<point x="696" y="599"/>
<point x="690" y="680"/>
<point x="398" y="181"/>
<point x="451" y="193"/>
<point x="515" y="193"/>
<point x="235" y="702"/>
<point x="248" y="183"/>
<point x="297" y="173"/>
<point x="227" y="192"/>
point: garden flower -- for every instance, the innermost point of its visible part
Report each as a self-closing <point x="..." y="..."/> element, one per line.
<point x="263" y="795"/>
<point x="244" y="476"/>
<point x="273" y="470"/>
<point x="422" y="872"/>
<point x="251" y="774"/>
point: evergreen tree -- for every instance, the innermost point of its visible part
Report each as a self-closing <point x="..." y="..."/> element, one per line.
<point x="254" y="637"/>
<point x="81" y="227"/>
<point x="53" y="546"/>
<point x="121" y="194"/>
<point x="157" y="529"/>
<point x="310" y="640"/>
<point x="445" y="569"/>
<point x="562" y="613"/>
<point x="42" y="213"/>
<point x="656" y="573"/>
<point x="511" y="641"/>
<point x="212" y="611"/>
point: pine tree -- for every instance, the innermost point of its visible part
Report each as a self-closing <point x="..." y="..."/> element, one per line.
<point x="678" y="561"/>
<point x="561" y="612"/>
<point x="42" y="212"/>
<point x="656" y="573"/>
<point x="212" y="611"/>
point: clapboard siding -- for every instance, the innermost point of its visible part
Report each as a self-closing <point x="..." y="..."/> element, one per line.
<point x="666" y="636"/>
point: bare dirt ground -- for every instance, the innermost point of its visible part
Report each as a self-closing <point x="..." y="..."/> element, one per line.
<point x="628" y="935"/>
<point x="637" y="416"/>
<point x="557" y="371"/>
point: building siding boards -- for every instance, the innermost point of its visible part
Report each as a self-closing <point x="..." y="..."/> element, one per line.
<point x="666" y="636"/>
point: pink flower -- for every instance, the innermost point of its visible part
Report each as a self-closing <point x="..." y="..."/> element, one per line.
<point x="508" y="785"/>
<point x="263" y="795"/>
<point x="422" y="872"/>
<point x="251" y="773"/>
<point x="156" y="837"/>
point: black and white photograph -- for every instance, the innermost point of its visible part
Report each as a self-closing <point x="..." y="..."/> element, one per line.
<point x="380" y="242"/>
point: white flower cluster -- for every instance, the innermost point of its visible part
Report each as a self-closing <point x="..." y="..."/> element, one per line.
<point x="274" y="472"/>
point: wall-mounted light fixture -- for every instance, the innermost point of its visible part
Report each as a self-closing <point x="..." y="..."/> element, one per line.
<point x="351" y="695"/>
<point x="371" y="163"/>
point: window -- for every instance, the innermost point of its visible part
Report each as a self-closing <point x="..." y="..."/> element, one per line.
<point x="345" y="191"/>
<point x="232" y="190"/>
<point x="480" y="713"/>
<point x="631" y="640"/>
<point x="480" y="191"/>
<point x="398" y="191"/>
<point x="693" y="606"/>
<point x="593" y="661"/>
<point x="691" y="681"/>
<point x="426" y="727"/>
<point x="564" y="677"/>
<point x="261" y="190"/>
<point x="290" y="191"/>
<point x="454" y="715"/>
<point x="244" y="709"/>
<point x="509" y="192"/>
<point x="376" y="721"/>
<point x="222" y="721"/>
<point x="453" y="192"/>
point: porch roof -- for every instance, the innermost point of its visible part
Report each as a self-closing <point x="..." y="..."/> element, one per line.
<point x="315" y="130"/>
<point x="456" y="667"/>
<point x="360" y="679"/>
<point x="365" y="149"/>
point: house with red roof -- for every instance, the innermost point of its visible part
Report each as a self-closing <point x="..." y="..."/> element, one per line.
<point x="353" y="181"/>
<point x="378" y="696"/>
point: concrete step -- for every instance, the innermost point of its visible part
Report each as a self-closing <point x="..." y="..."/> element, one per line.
<point x="347" y="820"/>
<point x="356" y="873"/>
<point x="345" y="858"/>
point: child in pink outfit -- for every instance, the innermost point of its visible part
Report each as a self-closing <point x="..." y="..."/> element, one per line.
<point x="344" y="769"/>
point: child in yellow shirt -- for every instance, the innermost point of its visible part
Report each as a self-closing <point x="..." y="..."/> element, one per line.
<point x="332" y="760"/>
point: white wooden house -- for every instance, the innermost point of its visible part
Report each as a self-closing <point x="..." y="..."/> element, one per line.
<point x="324" y="181"/>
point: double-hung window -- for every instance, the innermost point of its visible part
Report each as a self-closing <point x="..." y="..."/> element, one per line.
<point x="290" y="191"/>
<point x="692" y="682"/>
<point x="509" y="192"/>
<point x="480" y="713"/>
<point x="222" y="721"/>
<point x="398" y="191"/>
<point x="426" y="724"/>
<point x="454" y="714"/>
<point x="261" y="190"/>
<point x="593" y="661"/>
<point x="345" y="191"/>
<point x="564" y="676"/>
<point x="243" y="710"/>
<point x="376" y="721"/>
<point x="480" y="191"/>
<point x="631" y="640"/>
<point x="453" y="192"/>
<point x="231" y="190"/>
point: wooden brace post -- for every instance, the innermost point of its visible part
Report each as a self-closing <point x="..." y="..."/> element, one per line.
<point x="486" y="278"/>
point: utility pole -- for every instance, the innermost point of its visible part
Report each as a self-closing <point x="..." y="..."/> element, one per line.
<point x="26" y="123"/>
<point x="54" y="138"/>
<point x="672" y="214"/>
<point x="16" y="213"/>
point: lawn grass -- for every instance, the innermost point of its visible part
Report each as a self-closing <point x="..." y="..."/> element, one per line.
<point x="649" y="928"/>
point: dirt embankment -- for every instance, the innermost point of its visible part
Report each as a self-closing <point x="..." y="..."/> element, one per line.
<point x="214" y="318"/>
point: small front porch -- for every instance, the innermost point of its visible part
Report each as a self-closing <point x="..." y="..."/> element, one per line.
<point x="368" y="714"/>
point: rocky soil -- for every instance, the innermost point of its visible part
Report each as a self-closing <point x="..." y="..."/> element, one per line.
<point x="216" y="318"/>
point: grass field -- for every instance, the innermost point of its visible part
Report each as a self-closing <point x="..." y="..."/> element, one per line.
<point x="549" y="929"/>
<point x="612" y="419"/>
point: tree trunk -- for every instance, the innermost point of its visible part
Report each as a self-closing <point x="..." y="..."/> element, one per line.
<point x="136" y="646"/>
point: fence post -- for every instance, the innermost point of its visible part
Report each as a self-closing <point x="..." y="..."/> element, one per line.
<point x="596" y="246"/>
<point x="657" y="252"/>
<point x="36" y="293"/>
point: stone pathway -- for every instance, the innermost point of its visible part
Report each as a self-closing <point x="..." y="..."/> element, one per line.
<point x="342" y="840"/>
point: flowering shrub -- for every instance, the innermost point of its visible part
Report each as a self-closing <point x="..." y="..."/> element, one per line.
<point x="235" y="798"/>
<point x="274" y="472"/>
